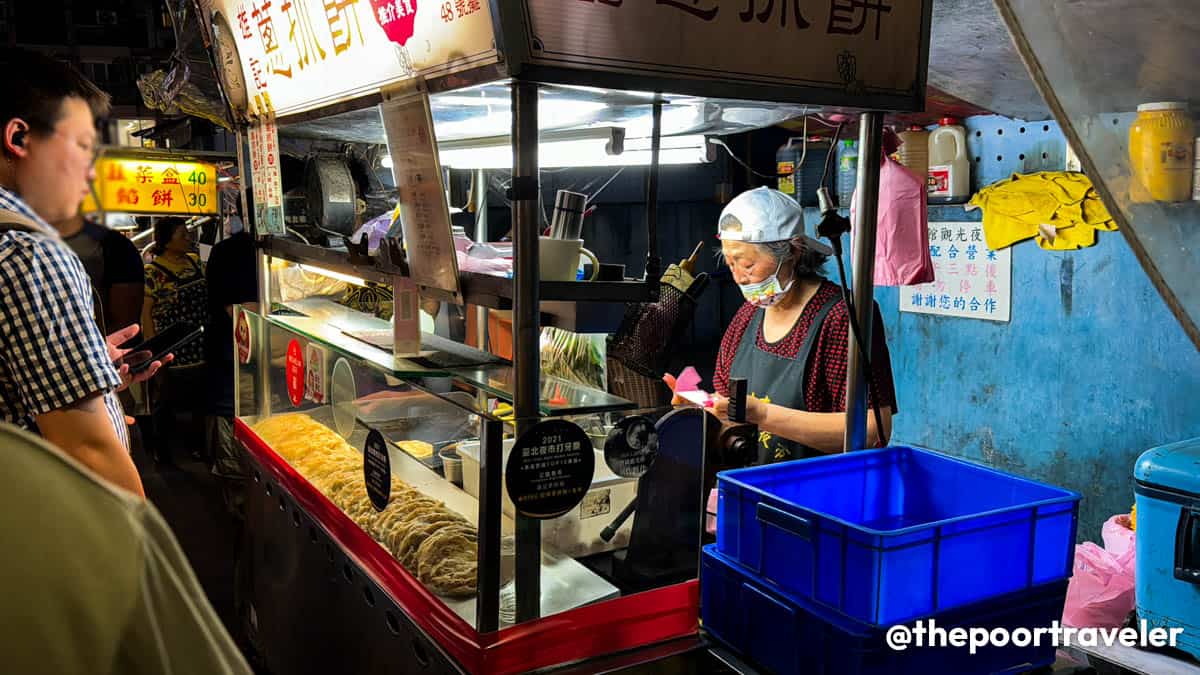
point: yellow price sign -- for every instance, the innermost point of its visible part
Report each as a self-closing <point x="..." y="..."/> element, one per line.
<point x="154" y="186"/>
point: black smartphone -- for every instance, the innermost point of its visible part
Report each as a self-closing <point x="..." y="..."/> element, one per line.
<point x="157" y="347"/>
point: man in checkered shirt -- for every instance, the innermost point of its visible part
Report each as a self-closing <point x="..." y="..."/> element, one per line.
<point x="56" y="368"/>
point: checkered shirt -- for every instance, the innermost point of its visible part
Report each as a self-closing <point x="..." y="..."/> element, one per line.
<point x="52" y="353"/>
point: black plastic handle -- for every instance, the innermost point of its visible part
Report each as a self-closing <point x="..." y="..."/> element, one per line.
<point x="737" y="399"/>
<point x="801" y="527"/>
<point x="1187" y="546"/>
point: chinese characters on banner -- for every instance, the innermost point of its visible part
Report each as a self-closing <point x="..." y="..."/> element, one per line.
<point x="154" y="186"/>
<point x="846" y="17"/>
<point x="265" y="178"/>
<point x="299" y="53"/>
<point x="970" y="280"/>
<point x="850" y="48"/>
<point x="424" y="215"/>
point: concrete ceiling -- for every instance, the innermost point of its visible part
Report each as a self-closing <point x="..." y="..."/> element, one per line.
<point x="971" y="57"/>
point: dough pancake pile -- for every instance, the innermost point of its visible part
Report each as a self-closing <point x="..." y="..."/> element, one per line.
<point x="435" y="544"/>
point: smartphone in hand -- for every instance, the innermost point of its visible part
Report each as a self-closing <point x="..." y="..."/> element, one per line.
<point x="159" y="346"/>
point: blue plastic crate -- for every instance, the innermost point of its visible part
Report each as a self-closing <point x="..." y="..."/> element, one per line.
<point x="785" y="634"/>
<point x="885" y="536"/>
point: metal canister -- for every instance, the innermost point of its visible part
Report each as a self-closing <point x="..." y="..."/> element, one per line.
<point x="567" y="221"/>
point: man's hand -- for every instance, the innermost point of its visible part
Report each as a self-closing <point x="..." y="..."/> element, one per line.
<point x="122" y="357"/>
<point x="84" y="431"/>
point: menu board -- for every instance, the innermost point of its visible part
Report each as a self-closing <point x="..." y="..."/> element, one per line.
<point x="154" y="186"/>
<point x="265" y="176"/>
<point x="424" y="213"/>
<point x="971" y="281"/>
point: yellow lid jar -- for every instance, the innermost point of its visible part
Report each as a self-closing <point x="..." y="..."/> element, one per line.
<point x="1161" y="153"/>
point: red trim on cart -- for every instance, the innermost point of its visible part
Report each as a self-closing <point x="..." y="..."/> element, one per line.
<point x="582" y="633"/>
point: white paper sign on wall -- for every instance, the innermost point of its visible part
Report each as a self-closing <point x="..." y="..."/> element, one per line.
<point x="265" y="176"/>
<point x="970" y="280"/>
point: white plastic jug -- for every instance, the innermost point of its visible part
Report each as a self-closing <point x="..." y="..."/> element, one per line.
<point x="949" y="166"/>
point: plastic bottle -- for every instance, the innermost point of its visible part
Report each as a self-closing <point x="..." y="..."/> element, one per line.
<point x="1161" y="146"/>
<point x="949" y="167"/>
<point x="798" y="168"/>
<point x="914" y="151"/>
<point x="787" y="165"/>
<point x="847" y="172"/>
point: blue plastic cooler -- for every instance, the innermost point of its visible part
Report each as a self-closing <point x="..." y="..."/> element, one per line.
<point x="885" y="536"/>
<point x="1167" y="567"/>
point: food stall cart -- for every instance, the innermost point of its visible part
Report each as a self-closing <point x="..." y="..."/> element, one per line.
<point x="366" y="555"/>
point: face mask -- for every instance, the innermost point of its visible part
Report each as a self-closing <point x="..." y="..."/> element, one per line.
<point x="766" y="292"/>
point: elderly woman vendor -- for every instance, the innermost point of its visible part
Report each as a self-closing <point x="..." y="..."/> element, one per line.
<point x="789" y="340"/>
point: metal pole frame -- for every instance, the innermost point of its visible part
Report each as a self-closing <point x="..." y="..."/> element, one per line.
<point x="481" y="237"/>
<point x="526" y="325"/>
<point x="866" y="204"/>
<point x="487" y="601"/>
<point x="263" y="270"/>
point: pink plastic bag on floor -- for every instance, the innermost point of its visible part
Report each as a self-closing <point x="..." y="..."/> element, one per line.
<point x="1101" y="592"/>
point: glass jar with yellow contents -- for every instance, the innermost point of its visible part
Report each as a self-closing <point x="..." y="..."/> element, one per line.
<point x="1161" y="146"/>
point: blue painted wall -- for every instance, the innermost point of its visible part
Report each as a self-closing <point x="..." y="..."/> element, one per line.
<point x="1091" y="371"/>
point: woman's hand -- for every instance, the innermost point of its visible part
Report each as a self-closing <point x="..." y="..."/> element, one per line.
<point x="676" y="399"/>
<point x="756" y="408"/>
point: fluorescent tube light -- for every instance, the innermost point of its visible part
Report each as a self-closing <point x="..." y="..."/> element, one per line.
<point x="312" y="269"/>
<point x="584" y="152"/>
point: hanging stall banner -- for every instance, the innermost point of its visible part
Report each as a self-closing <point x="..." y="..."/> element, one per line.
<point x="265" y="176"/>
<point x="125" y="185"/>
<point x="840" y="51"/>
<point x="970" y="280"/>
<point x="300" y="54"/>
<point x="424" y="214"/>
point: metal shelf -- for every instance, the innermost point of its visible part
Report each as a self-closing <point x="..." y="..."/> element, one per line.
<point x="326" y="323"/>
<point x="329" y="259"/>
<point x="577" y="306"/>
<point x="486" y="286"/>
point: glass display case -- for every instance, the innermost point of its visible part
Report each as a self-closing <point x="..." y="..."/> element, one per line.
<point x="403" y="469"/>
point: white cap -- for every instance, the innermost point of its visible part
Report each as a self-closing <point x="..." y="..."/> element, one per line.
<point x="763" y="215"/>
<point x="1164" y="105"/>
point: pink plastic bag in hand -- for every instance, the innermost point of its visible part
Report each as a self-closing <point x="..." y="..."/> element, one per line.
<point x="1101" y="592"/>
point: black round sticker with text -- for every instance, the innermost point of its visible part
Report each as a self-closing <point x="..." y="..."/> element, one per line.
<point x="550" y="469"/>
<point x="377" y="470"/>
<point x="631" y="446"/>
